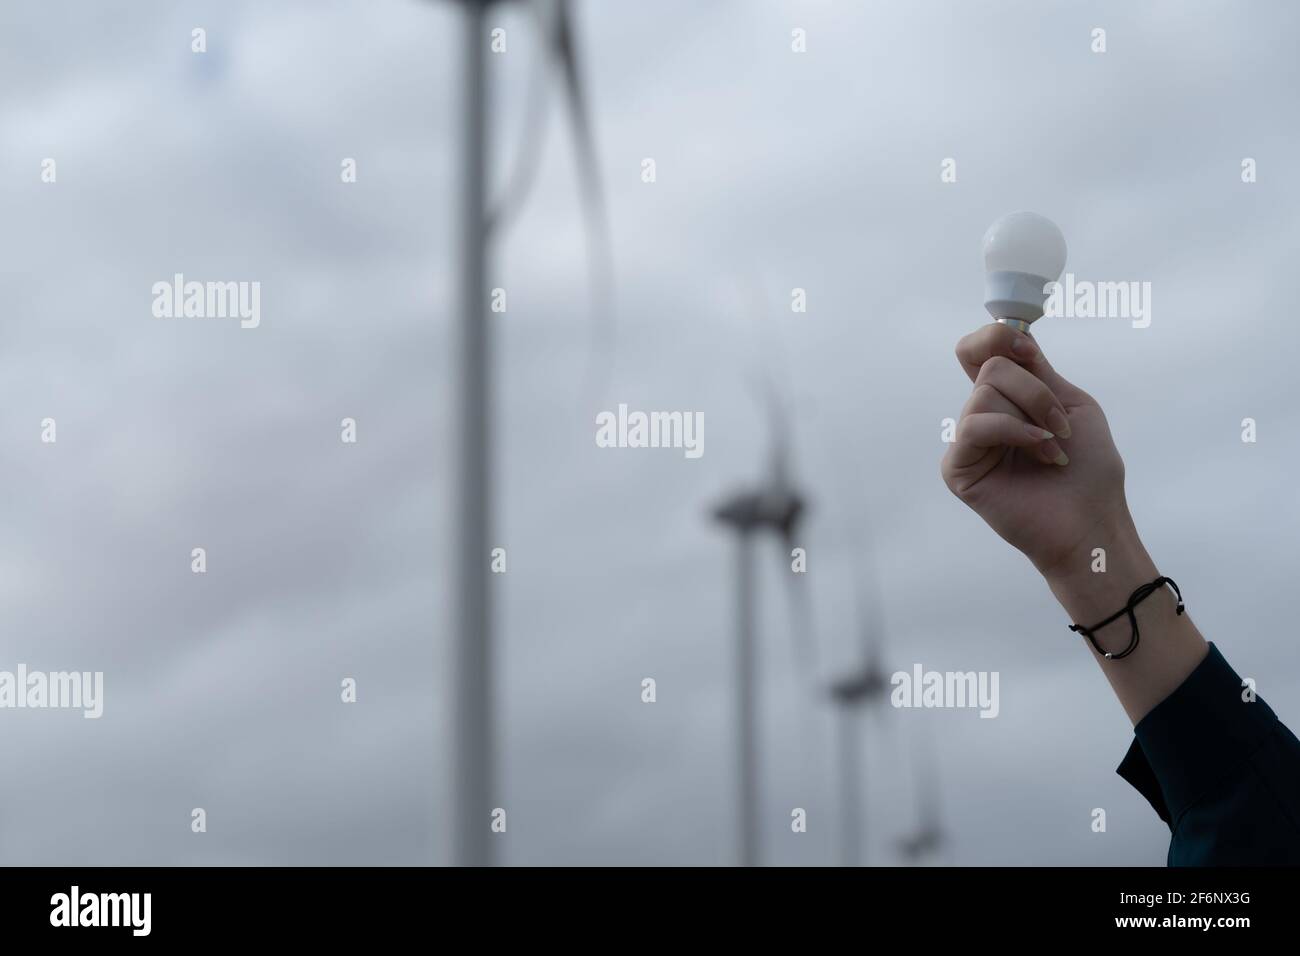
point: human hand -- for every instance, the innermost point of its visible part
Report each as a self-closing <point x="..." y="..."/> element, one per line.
<point x="1049" y="495"/>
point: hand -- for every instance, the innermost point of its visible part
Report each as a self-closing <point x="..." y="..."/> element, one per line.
<point x="1057" y="498"/>
<point x="1033" y="455"/>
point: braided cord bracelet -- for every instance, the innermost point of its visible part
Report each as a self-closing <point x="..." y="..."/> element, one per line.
<point x="1136" y="598"/>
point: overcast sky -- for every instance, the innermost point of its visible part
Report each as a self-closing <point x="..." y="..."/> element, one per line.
<point x="775" y="170"/>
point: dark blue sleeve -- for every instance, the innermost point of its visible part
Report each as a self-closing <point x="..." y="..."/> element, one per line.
<point x="1223" y="772"/>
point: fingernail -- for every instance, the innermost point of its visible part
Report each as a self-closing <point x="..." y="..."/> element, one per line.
<point x="1024" y="346"/>
<point x="1057" y="421"/>
<point x="1042" y="434"/>
<point x="1051" y="451"/>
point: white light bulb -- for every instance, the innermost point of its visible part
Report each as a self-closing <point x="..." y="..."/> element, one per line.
<point x="1023" y="254"/>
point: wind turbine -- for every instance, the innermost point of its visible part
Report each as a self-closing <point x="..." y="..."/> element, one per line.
<point x="855" y="692"/>
<point x="778" y="506"/>
<point x="929" y="838"/>
<point x="472" y="688"/>
<point x="747" y="512"/>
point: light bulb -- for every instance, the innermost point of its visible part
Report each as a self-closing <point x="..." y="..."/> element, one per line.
<point x="1023" y="254"/>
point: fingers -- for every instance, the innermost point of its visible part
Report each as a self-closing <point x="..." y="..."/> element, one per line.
<point x="1026" y="392"/>
<point x="980" y="432"/>
<point x="998" y="339"/>
<point x="1019" y="401"/>
<point x="986" y="398"/>
<point x="983" y="430"/>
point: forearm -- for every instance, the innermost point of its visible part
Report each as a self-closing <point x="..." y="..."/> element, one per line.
<point x="1170" y="646"/>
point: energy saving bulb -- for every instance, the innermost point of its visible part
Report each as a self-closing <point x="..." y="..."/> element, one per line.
<point x="1023" y="254"/>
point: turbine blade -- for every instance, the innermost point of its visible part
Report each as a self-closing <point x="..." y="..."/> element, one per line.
<point x="532" y="139"/>
<point x="599" y="243"/>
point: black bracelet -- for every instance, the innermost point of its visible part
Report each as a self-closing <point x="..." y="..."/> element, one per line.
<point x="1136" y="598"/>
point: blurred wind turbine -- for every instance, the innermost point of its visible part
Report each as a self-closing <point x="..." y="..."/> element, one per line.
<point x="471" y="686"/>
<point x="776" y="406"/>
<point x="929" y="838"/>
<point x="855" y="692"/>
<point x="775" y="505"/>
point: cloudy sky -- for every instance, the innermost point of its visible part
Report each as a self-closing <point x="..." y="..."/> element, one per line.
<point x="775" y="170"/>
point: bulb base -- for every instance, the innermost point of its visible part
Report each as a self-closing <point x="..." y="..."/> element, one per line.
<point x="1020" y="324"/>
<point x="1016" y="295"/>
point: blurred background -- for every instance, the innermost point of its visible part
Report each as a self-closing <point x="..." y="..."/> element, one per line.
<point x="775" y="170"/>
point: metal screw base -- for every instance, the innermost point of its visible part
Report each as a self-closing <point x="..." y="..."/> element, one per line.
<point x="1016" y="324"/>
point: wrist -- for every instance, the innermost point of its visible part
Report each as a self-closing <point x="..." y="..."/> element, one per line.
<point x="1170" y="647"/>
<point x="1098" y="577"/>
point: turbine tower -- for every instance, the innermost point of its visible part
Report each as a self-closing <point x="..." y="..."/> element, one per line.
<point x="472" y="691"/>
<point x="471" y="686"/>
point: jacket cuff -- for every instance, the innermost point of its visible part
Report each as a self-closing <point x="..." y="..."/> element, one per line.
<point x="1201" y="734"/>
